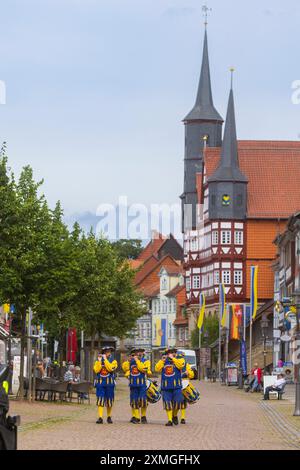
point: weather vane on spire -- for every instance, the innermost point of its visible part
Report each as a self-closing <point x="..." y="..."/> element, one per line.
<point x="206" y="10"/>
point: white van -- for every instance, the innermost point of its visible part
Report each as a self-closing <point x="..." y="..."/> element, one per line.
<point x="190" y="357"/>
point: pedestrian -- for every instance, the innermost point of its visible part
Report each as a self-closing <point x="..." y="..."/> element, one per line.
<point x="170" y="368"/>
<point x="257" y="374"/>
<point x="136" y="369"/>
<point x="213" y="376"/>
<point x="278" y="385"/>
<point x="105" y="368"/>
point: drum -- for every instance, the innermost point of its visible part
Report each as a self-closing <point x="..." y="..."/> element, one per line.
<point x="153" y="392"/>
<point x="189" y="392"/>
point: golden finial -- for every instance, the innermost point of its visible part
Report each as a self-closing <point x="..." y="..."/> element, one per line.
<point x="232" y="70"/>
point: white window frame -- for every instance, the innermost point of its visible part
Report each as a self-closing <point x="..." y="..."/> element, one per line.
<point x="238" y="277"/>
<point x="226" y="237"/>
<point x="238" y="237"/>
<point x="217" y="277"/>
<point x="226" y="277"/>
<point x="196" y="281"/>
<point x="215" y="237"/>
<point x="194" y="244"/>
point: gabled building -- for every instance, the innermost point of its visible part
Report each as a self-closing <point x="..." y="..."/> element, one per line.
<point x="161" y="255"/>
<point x="286" y="282"/>
<point x="244" y="201"/>
<point x="163" y="307"/>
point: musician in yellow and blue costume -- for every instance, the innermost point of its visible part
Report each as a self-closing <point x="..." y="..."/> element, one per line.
<point x="170" y="368"/>
<point x="136" y="370"/>
<point x="186" y="373"/>
<point x="104" y="369"/>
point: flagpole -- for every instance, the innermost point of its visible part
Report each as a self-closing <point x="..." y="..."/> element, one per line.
<point x="220" y="344"/>
<point x="250" y="346"/>
<point x="200" y="338"/>
<point x="220" y="350"/>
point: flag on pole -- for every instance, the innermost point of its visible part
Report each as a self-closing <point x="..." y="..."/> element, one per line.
<point x="201" y="311"/>
<point x="222" y="305"/>
<point x="253" y="292"/>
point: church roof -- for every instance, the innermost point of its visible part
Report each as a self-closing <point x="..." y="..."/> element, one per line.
<point x="228" y="169"/>
<point x="273" y="172"/>
<point x="204" y="107"/>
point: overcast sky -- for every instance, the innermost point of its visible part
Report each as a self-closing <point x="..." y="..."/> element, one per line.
<point x="96" y="90"/>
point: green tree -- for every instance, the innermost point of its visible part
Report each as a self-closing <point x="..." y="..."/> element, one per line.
<point x="22" y="248"/>
<point x="210" y="332"/>
<point x="128" y="249"/>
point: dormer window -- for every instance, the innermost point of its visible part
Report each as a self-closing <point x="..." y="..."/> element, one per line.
<point x="164" y="283"/>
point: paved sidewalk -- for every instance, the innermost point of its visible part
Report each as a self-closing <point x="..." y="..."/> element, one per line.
<point x="224" y="418"/>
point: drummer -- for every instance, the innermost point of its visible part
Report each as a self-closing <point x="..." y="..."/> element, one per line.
<point x="136" y="369"/>
<point x="187" y="374"/>
<point x="171" y="383"/>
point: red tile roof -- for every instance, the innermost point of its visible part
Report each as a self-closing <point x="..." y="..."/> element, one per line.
<point x="153" y="246"/>
<point x="273" y="171"/>
<point x="151" y="291"/>
<point x="135" y="263"/>
<point x="146" y="268"/>
<point x="175" y="291"/>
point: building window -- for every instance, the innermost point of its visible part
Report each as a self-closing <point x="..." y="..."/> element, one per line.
<point x="238" y="237"/>
<point x="238" y="278"/>
<point x="164" y="283"/>
<point x="188" y="283"/>
<point x="215" y="237"/>
<point x="217" y="277"/>
<point x="226" y="237"/>
<point x="186" y="336"/>
<point x="194" y="244"/>
<point x="196" y="282"/>
<point x="226" y="277"/>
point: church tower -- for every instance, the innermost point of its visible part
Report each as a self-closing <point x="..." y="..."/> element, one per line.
<point x="203" y="126"/>
<point x="228" y="185"/>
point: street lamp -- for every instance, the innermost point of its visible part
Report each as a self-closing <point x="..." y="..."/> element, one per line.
<point x="264" y="323"/>
<point x="296" y="296"/>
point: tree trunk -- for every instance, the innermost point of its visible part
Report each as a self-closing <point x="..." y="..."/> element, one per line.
<point x="22" y="355"/>
<point x="92" y="355"/>
<point x="61" y="353"/>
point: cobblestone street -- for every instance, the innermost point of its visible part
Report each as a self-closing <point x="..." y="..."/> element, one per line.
<point x="225" y="418"/>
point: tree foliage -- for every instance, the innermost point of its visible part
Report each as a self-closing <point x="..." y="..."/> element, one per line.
<point x="67" y="278"/>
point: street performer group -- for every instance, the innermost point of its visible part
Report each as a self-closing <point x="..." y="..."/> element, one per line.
<point x="176" y="390"/>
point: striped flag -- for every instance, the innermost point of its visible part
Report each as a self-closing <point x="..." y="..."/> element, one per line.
<point x="222" y="305"/>
<point x="201" y="311"/>
<point x="253" y="292"/>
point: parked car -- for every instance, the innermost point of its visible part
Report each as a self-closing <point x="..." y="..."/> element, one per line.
<point x="190" y="357"/>
<point x="8" y="424"/>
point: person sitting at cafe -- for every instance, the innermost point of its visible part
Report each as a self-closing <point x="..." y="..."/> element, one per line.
<point x="276" y="387"/>
<point x="69" y="374"/>
<point x="76" y="378"/>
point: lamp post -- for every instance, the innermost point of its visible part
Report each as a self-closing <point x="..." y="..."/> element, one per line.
<point x="296" y="296"/>
<point x="264" y="323"/>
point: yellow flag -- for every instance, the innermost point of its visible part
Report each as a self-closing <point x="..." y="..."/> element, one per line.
<point x="201" y="311"/>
